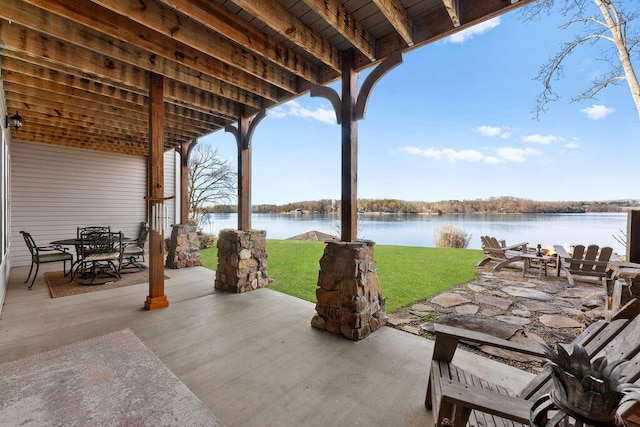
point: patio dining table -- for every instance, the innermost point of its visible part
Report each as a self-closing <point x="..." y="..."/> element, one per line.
<point x="75" y="241"/>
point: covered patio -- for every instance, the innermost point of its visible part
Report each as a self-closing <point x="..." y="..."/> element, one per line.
<point x="252" y="358"/>
<point x="129" y="79"/>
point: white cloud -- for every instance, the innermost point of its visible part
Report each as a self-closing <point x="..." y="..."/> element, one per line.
<point x="464" y="155"/>
<point x="571" y="145"/>
<point x="493" y="160"/>
<point x="492" y="131"/>
<point x="292" y="108"/>
<point x="504" y="154"/>
<point x="277" y="112"/>
<point x="540" y="139"/>
<point x="429" y="152"/>
<point x="471" y="32"/>
<point x="597" y="112"/>
<point x="488" y="130"/>
<point x="509" y="154"/>
<point x="448" y="153"/>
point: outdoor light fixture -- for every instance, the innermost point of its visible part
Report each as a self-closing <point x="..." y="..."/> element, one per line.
<point x="15" y="121"/>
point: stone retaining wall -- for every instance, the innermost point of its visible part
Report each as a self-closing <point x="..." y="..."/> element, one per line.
<point x="242" y="260"/>
<point x="183" y="248"/>
<point x="349" y="298"/>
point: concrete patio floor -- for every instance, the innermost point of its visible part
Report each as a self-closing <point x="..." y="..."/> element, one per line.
<point x="252" y="358"/>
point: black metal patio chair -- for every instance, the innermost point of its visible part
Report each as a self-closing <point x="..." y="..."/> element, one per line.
<point x="100" y="256"/>
<point x="132" y="252"/>
<point x="45" y="254"/>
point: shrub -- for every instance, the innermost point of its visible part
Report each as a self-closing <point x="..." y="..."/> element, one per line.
<point x="450" y="236"/>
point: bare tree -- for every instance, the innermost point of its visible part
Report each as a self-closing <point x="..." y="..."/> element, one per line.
<point x="211" y="181"/>
<point x="612" y="25"/>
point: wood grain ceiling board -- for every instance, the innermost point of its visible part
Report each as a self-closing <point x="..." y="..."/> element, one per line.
<point x="78" y="72"/>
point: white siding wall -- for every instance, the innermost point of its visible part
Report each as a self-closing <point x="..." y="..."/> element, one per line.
<point x="56" y="189"/>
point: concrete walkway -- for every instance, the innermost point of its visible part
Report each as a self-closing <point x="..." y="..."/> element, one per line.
<point x="253" y="358"/>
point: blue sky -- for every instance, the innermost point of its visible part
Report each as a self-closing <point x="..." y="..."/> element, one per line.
<point x="454" y="121"/>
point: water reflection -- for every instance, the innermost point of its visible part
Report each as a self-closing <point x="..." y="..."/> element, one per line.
<point x="418" y="230"/>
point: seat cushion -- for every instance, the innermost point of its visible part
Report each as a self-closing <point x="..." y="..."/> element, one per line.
<point x="109" y="256"/>
<point x="59" y="256"/>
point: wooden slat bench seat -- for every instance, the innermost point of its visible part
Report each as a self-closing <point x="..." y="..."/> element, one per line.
<point x="464" y="398"/>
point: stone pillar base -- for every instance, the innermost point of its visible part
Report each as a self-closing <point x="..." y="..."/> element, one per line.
<point x="242" y="261"/>
<point x="183" y="247"/>
<point x="349" y="299"/>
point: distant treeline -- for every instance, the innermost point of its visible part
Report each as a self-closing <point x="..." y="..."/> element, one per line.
<point x="478" y="206"/>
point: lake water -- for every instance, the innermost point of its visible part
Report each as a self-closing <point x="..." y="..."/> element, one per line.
<point x="418" y="230"/>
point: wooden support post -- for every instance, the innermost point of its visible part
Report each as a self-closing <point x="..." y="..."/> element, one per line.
<point x="244" y="176"/>
<point x="633" y="236"/>
<point x="156" y="297"/>
<point x="349" y="219"/>
<point x="350" y="108"/>
<point x="243" y="134"/>
<point x="185" y="151"/>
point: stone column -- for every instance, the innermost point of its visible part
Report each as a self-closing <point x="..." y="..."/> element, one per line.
<point x="183" y="247"/>
<point x="242" y="260"/>
<point x="349" y="298"/>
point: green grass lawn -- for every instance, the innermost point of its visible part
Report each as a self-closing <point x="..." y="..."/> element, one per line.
<point x="407" y="274"/>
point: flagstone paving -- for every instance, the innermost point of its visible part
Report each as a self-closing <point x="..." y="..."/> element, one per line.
<point x="527" y="310"/>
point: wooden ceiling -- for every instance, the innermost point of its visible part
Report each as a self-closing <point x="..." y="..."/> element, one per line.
<point x="78" y="71"/>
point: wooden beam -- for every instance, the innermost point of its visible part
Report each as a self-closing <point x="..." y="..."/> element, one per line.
<point x="133" y="43"/>
<point x="278" y="18"/>
<point x="221" y="20"/>
<point x="180" y="34"/>
<point x="71" y="138"/>
<point x="155" y="195"/>
<point x="336" y="15"/>
<point x="396" y="14"/>
<point x="349" y="216"/>
<point x="101" y="110"/>
<point x="436" y="24"/>
<point x="33" y="47"/>
<point x="453" y="9"/>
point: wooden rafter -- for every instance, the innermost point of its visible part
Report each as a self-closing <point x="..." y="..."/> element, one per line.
<point x="221" y="20"/>
<point x="336" y="15"/>
<point x="453" y="9"/>
<point x="279" y="19"/>
<point x="197" y="43"/>
<point x="34" y="47"/>
<point x="398" y="17"/>
<point x="137" y="45"/>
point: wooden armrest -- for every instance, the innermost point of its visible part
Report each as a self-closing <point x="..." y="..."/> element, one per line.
<point x="560" y="250"/>
<point x="519" y="245"/>
<point x="487" y="401"/>
<point x="447" y="338"/>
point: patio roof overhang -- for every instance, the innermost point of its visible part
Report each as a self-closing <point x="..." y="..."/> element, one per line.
<point x="79" y="72"/>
